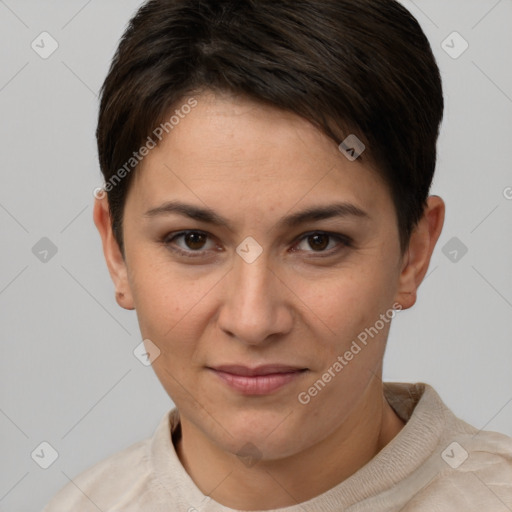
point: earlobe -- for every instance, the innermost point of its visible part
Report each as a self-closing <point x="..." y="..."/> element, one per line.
<point x="418" y="255"/>
<point x="113" y="256"/>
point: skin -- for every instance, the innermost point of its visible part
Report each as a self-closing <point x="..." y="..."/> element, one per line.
<point x="254" y="164"/>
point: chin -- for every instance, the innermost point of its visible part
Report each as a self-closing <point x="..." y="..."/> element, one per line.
<point x="267" y="436"/>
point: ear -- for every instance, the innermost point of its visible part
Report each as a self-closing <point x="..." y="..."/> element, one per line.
<point x="113" y="256"/>
<point x="419" y="252"/>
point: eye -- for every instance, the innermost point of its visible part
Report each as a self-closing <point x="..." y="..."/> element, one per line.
<point x="320" y="241"/>
<point x="193" y="243"/>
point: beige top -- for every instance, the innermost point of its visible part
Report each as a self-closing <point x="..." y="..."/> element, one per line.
<point x="436" y="463"/>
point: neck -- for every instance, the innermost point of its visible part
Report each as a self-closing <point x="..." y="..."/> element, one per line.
<point x="281" y="483"/>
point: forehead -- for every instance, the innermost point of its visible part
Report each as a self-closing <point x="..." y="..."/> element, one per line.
<point x="235" y="148"/>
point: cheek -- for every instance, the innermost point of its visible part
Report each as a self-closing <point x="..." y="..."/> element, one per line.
<point x="345" y="303"/>
<point x="165" y="295"/>
<point x="171" y="312"/>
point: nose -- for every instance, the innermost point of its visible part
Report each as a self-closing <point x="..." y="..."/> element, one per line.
<point x="257" y="305"/>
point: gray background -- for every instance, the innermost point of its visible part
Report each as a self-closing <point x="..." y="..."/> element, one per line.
<point x="68" y="375"/>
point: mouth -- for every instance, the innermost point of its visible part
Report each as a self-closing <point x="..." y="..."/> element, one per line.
<point x="262" y="380"/>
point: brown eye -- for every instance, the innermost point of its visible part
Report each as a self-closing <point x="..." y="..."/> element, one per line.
<point x="195" y="241"/>
<point x="189" y="243"/>
<point x="318" y="242"/>
<point x="323" y="244"/>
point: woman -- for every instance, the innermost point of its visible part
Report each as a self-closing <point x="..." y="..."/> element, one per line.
<point x="266" y="212"/>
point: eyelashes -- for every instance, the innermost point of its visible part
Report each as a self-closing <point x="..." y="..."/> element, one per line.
<point x="194" y="237"/>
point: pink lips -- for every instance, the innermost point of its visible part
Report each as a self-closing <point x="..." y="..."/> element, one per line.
<point x="261" y="380"/>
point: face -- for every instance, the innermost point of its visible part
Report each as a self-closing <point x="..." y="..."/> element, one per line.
<point x="251" y="300"/>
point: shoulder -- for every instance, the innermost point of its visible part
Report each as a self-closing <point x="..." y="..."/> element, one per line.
<point x="106" y="482"/>
<point x="477" y="468"/>
<point x="469" y="469"/>
<point x="118" y="482"/>
<point x="472" y="473"/>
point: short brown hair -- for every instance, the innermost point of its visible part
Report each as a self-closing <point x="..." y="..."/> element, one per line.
<point x="348" y="66"/>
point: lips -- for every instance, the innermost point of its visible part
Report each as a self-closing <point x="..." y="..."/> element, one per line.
<point x="270" y="369"/>
<point x="261" y="380"/>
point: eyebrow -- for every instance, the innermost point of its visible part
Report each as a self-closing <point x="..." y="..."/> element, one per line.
<point x="209" y="216"/>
